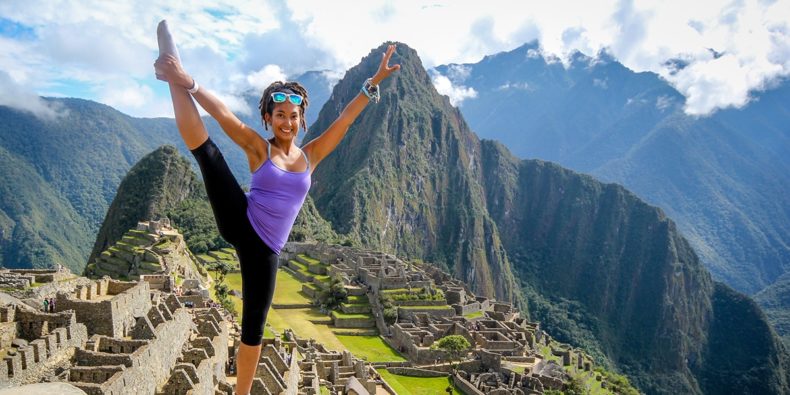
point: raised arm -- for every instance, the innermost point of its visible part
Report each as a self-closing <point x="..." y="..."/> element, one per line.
<point x="323" y="145"/>
<point x="246" y="137"/>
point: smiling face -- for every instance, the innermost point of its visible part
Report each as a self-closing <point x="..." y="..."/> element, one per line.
<point x="285" y="119"/>
<point x="282" y="114"/>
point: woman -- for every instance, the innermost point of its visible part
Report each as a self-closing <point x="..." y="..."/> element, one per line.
<point x="258" y="223"/>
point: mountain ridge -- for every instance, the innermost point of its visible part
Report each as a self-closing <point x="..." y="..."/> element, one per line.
<point x="597" y="246"/>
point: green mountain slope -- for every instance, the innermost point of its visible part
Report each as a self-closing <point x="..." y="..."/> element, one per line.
<point x="37" y="227"/>
<point x="723" y="178"/>
<point x="634" y="284"/>
<point x="775" y="302"/>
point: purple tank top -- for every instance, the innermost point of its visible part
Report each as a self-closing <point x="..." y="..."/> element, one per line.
<point x="274" y="200"/>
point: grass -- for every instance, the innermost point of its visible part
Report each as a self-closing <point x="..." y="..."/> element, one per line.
<point x="363" y="299"/>
<point x="340" y="314"/>
<point x="222" y="255"/>
<point x="299" y="266"/>
<point x="405" y="385"/>
<point x="474" y="315"/>
<point x="289" y="290"/>
<point x="396" y="291"/>
<point x="309" y="259"/>
<point x="299" y="321"/>
<point x="206" y="258"/>
<point x="233" y="280"/>
<point x="370" y="348"/>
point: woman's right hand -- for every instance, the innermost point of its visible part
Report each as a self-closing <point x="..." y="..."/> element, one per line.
<point x="169" y="69"/>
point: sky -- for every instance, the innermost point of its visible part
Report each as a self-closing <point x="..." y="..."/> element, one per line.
<point x="104" y="50"/>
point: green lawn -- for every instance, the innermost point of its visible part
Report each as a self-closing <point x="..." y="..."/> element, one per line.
<point x="340" y="314"/>
<point x="289" y="290"/>
<point x="233" y="280"/>
<point x="299" y="321"/>
<point x="405" y="385"/>
<point x="370" y="348"/>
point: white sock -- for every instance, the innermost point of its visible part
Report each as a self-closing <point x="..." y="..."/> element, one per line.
<point x="165" y="40"/>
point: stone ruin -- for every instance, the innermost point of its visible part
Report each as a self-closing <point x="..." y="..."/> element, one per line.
<point x="112" y="337"/>
<point x="117" y="337"/>
<point x="153" y="247"/>
<point x="507" y="353"/>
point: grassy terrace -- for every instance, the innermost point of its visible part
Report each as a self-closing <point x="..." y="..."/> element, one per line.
<point x="405" y="385"/>
<point x="370" y="348"/>
<point x="363" y="299"/>
<point x="474" y="315"/>
<point x="310" y="260"/>
<point x="396" y="291"/>
<point x="299" y="265"/>
<point x="299" y="320"/>
<point x="340" y="314"/>
<point x="289" y="290"/>
<point x="207" y="258"/>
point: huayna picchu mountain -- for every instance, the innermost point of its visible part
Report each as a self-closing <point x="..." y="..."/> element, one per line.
<point x="404" y="178"/>
<point x="155" y="185"/>
<point x="411" y="178"/>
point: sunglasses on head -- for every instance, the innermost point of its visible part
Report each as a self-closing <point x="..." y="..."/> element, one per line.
<point x="279" y="97"/>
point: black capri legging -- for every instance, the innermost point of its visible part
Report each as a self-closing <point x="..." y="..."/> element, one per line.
<point x="258" y="262"/>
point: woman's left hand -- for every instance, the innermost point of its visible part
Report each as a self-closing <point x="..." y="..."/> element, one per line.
<point x="385" y="69"/>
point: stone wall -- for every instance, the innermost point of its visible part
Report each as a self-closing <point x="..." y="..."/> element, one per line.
<point x="30" y="360"/>
<point x="151" y="364"/>
<point x="112" y="317"/>
<point x="465" y="386"/>
<point x="416" y="372"/>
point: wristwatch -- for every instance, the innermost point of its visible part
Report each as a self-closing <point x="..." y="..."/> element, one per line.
<point x="371" y="91"/>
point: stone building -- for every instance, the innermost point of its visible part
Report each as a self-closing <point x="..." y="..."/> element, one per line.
<point x="107" y="307"/>
<point x="33" y="343"/>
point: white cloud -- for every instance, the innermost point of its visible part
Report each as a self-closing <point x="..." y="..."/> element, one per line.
<point x="16" y="96"/>
<point x="265" y="76"/>
<point x="663" y="102"/>
<point x="600" y="83"/>
<point x="458" y="73"/>
<point x="514" y="85"/>
<point x="457" y="94"/>
<point x="223" y="42"/>
<point x="131" y="97"/>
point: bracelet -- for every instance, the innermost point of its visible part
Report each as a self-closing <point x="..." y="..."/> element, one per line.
<point x="194" y="87"/>
<point x="370" y="90"/>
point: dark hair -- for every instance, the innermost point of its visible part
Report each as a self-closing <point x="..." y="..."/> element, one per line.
<point x="266" y="105"/>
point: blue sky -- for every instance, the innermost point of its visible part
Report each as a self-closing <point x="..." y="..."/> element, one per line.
<point x="104" y="51"/>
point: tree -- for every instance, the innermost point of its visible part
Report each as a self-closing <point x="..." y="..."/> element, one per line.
<point x="333" y="295"/>
<point x="455" y="345"/>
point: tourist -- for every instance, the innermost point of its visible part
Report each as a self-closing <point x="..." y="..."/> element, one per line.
<point x="46" y="305"/>
<point x="51" y="305"/>
<point x="258" y="223"/>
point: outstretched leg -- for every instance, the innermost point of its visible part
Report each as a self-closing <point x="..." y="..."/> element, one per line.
<point x="187" y="117"/>
<point x="188" y="121"/>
